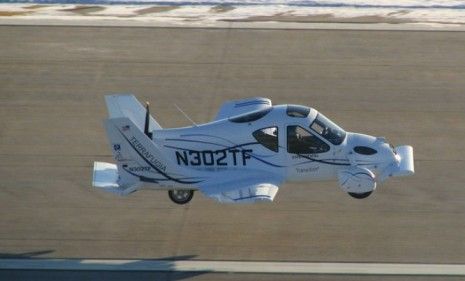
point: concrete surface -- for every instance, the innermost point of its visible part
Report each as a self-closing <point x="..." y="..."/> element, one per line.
<point x="406" y="86"/>
<point x="252" y="267"/>
<point x="195" y="276"/>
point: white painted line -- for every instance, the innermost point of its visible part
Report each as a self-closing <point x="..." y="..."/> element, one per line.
<point x="236" y="266"/>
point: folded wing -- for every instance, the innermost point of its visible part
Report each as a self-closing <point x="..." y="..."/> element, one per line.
<point x="248" y="189"/>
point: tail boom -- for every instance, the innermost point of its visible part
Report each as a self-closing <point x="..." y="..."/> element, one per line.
<point x="140" y="162"/>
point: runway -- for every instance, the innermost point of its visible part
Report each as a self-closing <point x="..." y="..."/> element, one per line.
<point x="406" y="86"/>
<point x="236" y="267"/>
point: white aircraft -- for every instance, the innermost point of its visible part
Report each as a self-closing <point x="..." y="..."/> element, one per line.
<point x="244" y="155"/>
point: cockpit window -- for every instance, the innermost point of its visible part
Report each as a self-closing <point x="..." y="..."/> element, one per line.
<point x="327" y="129"/>
<point x="297" y="111"/>
<point x="268" y="137"/>
<point x="252" y="116"/>
<point x="301" y="141"/>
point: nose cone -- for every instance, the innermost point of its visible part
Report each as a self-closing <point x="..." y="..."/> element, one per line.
<point x="365" y="145"/>
<point x="354" y="139"/>
<point x="372" y="152"/>
<point x="379" y="157"/>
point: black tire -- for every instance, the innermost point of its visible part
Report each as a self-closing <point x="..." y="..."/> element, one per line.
<point x="360" y="195"/>
<point x="181" y="196"/>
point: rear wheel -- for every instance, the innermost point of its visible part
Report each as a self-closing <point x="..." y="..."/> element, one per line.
<point x="360" y="195"/>
<point x="181" y="196"/>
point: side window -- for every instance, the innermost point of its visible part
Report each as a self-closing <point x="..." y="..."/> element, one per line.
<point x="268" y="137"/>
<point x="301" y="141"/>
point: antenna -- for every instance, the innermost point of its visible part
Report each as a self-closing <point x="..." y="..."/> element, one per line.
<point x="185" y="115"/>
<point x="147" y="120"/>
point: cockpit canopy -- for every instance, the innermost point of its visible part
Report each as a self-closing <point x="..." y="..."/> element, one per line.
<point x="319" y="123"/>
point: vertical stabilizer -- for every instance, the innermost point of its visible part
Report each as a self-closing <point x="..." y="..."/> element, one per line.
<point x="140" y="160"/>
<point x="128" y="106"/>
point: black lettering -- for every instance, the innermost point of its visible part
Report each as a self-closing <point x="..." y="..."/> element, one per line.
<point x="139" y="169"/>
<point x="181" y="158"/>
<point x="148" y="156"/>
<point x="208" y="160"/>
<point x="219" y="161"/>
<point x="246" y="155"/>
<point x="196" y="157"/>
<point x="234" y="151"/>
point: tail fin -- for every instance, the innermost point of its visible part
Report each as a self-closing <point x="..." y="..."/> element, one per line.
<point x="117" y="178"/>
<point x="138" y="159"/>
<point x="128" y="106"/>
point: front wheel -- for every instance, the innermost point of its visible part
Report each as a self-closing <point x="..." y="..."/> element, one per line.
<point x="181" y="196"/>
<point x="360" y="195"/>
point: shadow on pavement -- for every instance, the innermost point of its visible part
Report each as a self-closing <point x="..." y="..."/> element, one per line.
<point x="27" y="255"/>
<point x="114" y="272"/>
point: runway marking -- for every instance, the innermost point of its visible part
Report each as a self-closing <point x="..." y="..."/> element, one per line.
<point x="236" y="266"/>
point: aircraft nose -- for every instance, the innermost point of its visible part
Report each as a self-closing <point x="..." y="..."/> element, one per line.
<point x="371" y="150"/>
<point x="379" y="156"/>
<point x="360" y="140"/>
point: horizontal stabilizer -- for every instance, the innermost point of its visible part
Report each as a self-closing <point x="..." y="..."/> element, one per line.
<point x="106" y="178"/>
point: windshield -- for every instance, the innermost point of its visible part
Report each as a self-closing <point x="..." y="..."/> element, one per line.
<point x="328" y="130"/>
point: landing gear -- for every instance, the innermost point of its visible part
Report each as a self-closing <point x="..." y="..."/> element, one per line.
<point x="360" y="195"/>
<point x="181" y="196"/>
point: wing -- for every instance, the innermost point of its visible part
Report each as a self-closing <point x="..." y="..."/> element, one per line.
<point x="235" y="188"/>
<point x="237" y="107"/>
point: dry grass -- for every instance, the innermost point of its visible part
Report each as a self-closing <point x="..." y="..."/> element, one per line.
<point x="323" y="18"/>
<point x="13" y="13"/>
<point x="84" y="10"/>
<point x="156" y="9"/>
<point x="222" y="9"/>
<point x="35" y="7"/>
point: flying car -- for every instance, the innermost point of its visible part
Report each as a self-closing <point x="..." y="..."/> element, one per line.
<point x="244" y="155"/>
